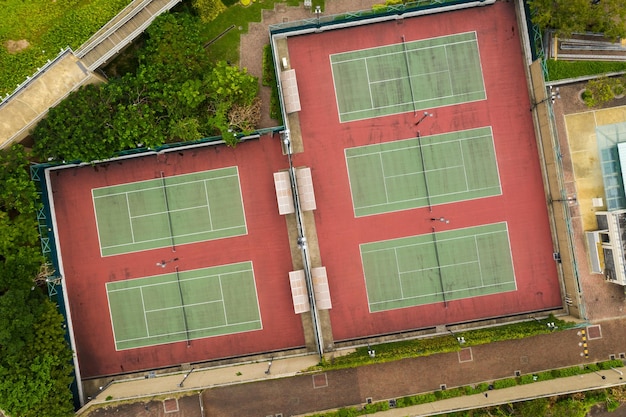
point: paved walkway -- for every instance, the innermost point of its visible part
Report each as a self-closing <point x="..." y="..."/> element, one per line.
<point x="200" y="379"/>
<point x="287" y="390"/>
<point x="508" y="395"/>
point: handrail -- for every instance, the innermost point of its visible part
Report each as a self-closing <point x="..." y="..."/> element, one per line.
<point x="97" y="38"/>
<point x="40" y="71"/>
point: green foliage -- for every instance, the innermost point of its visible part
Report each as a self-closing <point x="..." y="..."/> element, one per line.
<point x="208" y="10"/>
<point x="504" y="383"/>
<point x="602" y="90"/>
<point x="559" y="70"/>
<point x="18" y="205"/>
<point x="173" y="51"/>
<point x="568" y="407"/>
<point x="35" y="367"/>
<point x="269" y="80"/>
<point x="185" y="130"/>
<point x="175" y="95"/>
<point x="570" y="16"/>
<point x="533" y="408"/>
<point x="227" y="83"/>
<point x="228" y="86"/>
<point x="80" y="23"/>
<point x="48" y="26"/>
<point x="18" y="191"/>
<point x="421" y="347"/>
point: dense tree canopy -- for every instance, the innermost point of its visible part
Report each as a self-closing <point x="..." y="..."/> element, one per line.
<point x="570" y="16"/>
<point x="175" y="95"/>
<point x="35" y="360"/>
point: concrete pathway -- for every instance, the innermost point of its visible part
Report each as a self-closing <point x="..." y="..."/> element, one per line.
<point x="201" y="379"/>
<point x="519" y="393"/>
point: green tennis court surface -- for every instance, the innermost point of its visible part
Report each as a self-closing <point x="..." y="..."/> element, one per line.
<point x="183" y="306"/>
<point x="407" y="76"/>
<point x="431" y="268"/>
<point x="424" y="171"/>
<point x="169" y="211"/>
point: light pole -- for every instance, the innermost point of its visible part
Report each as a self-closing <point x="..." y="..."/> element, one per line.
<point x="164" y="262"/>
<point x="459" y="339"/>
<point x="425" y="115"/>
<point x="552" y="96"/>
<point x="440" y="219"/>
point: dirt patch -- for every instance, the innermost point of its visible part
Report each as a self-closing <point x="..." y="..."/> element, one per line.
<point x="14" y="47"/>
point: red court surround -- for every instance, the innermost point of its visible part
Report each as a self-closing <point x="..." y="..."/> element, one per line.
<point x="522" y="205"/>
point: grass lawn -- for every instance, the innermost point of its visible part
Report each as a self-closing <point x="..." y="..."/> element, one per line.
<point x="48" y="26"/>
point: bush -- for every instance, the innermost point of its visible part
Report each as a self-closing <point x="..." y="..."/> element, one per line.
<point x="505" y="383"/>
<point x="559" y="70"/>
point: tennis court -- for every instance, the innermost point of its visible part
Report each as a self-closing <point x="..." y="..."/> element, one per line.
<point x="407" y="76"/>
<point x="438" y="267"/>
<point x="169" y="211"/>
<point x="423" y="171"/>
<point x="184" y="305"/>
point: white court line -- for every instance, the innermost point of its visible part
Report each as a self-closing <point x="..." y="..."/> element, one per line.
<point x="219" y="276"/>
<point x="190" y="331"/>
<point x="160" y="187"/>
<point x="480" y="268"/>
<point x="376" y="55"/>
<point x="434" y="99"/>
<point x="208" y="205"/>
<point x="369" y="84"/>
<point x="424" y="171"/>
<point x="445" y="51"/>
<point x="433" y="195"/>
<point x="174" y="282"/>
<point x="219" y="279"/>
<point x="439" y="293"/>
<point x="408" y="141"/>
<point x="168" y="238"/>
<point x="95" y="215"/>
<point x="143" y="306"/>
<point x="438" y="267"/>
<point x="395" y="254"/>
<point x="130" y="219"/>
<point x="243" y="207"/>
<point x="158" y="213"/>
<point x="106" y="287"/>
<point x="404" y="78"/>
<point x="181" y="306"/>
<point x="382" y="168"/>
<point x="439" y="240"/>
<point x="465" y="168"/>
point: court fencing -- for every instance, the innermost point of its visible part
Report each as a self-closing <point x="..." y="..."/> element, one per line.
<point x="378" y="13"/>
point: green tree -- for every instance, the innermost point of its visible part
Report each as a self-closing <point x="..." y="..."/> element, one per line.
<point x="569" y="16"/>
<point x="35" y="361"/>
<point x="532" y="408"/>
<point x="174" y="51"/>
<point x="228" y="87"/>
<point x="18" y="205"/>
